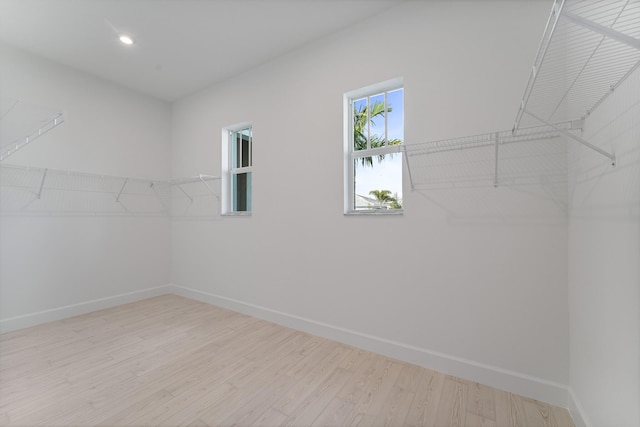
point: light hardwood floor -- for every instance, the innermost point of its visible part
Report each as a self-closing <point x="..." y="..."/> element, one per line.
<point x="171" y="361"/>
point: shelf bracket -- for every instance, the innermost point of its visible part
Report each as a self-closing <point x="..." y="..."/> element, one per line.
<point x="185" y="193"/>
<point x="124" y="184"/>
<point x="153" y="188"/>
<point x="202" y="178"/>
<point x="495" y="175"/>
<point x="601" y="29"/>
<point x="576" y="138"/>
<point x="406" y="160"/>
<point x="44" y="176"/>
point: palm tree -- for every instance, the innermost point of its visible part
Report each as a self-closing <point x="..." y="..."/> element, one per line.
<point x="360" y="130"/>
<point x="395" y="204"/>
<point x="383" y="197"/>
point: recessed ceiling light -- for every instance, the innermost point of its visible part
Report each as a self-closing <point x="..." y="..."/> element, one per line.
<point x="125" y="39"/>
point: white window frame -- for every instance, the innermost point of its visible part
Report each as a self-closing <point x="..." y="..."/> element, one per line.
<point x="228" y="171"/>
<point x="350" y="154"/>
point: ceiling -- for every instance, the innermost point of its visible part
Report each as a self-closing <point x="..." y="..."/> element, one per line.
<point x="181" y="46"/>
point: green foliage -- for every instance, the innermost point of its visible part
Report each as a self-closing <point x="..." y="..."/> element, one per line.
<point x="384" y="197"/>
<point x="360" y="130"/>
<point x="395" y="204"/>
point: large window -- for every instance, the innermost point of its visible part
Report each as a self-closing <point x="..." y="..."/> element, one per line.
<point x="237" y="169"/>
<point x="374" y="132"/>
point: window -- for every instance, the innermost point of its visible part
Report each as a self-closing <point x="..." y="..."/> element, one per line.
<point x="237" y="167"/>
<point x="374" y="132"/>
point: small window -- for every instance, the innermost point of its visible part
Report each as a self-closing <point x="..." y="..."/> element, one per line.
<point x="237" y="169"/>
<point x="374" y="132"/>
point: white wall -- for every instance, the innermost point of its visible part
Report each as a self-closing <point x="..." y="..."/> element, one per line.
<point x="52" y="266"/>
<point x="468" y="280"/>
<point x="604" y="263"/>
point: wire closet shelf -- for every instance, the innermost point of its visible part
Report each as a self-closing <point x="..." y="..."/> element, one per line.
<point x="21" y="123"/>
<point x="588" y="48"/>
<point x="489" y="153"/>
<point x="38" y="191"/>
<point x="42" y="191"/>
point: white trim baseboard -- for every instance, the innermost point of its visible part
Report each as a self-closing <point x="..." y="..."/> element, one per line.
<point x="515" y="382"/>
<point x="577" y="411"/>
<point x="32" y="319"/>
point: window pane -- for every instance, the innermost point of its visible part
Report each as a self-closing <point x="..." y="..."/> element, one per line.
<point x="360" y="128"/>
<point x="241" y="148"/>
<point x="241" y="191"/>
<point x="250" y="146"/>
<point x="235" y="150"/>
<point x="377" y="112"/>
<point x="378" y="182"/>
<point x="245" y="135"/>
<point x="395" y="119"/>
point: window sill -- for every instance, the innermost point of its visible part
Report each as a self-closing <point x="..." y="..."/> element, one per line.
<point x="244" y="213"/>
<point x="376" y="212"/>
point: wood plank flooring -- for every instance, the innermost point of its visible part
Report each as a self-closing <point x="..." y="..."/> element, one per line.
<point x="171" y="361"/>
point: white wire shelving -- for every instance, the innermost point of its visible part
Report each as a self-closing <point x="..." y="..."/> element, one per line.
<point x="43" y="191"/>
<point x="489" y="160"/>
<point x="21" y="123"/>
<point x="193" y="197"/>
<point x="588" y="48"/>
<point x="38" y="191"/>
